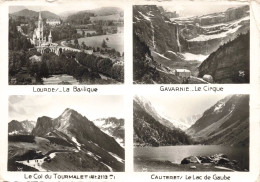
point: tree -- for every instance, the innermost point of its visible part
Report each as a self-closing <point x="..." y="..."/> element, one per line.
<point x="104" y="44"/>
<point x="83" y="45"/>
<point x="76" y="42"/>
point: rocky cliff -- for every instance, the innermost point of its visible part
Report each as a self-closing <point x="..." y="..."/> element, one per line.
<point x="230" y="63"/>
<point x="154" y="29"/>
<point x="227" y="123"/>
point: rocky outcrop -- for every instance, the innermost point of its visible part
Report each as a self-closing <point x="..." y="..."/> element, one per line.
<point x="217" y="160"/>
<point x="219" y="124"/>
<point x="230" y="63"/>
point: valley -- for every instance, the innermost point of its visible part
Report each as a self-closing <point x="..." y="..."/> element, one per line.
<point x="190" y="49"/>
<point x="215" y="139"/>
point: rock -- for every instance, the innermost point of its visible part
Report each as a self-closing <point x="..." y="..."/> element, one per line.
<point x="191" y="159"/>
<point x="223" y="161"/>
<point x="234" y="162"/>
<point x="208" y="78"/>
<point x="193" y="167"/>
<point x="205" y="159"/>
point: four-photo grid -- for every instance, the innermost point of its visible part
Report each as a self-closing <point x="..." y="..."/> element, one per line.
<point x="171" y="45"/>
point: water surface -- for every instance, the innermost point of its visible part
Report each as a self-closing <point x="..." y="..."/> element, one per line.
<point x="175" y="154"/>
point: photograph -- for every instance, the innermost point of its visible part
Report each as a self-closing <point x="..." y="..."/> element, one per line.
<point x="191" y="133"/>
<point x="191" y="43"/>
<point x="66" y="133"/>
<point x="65" y="45"/>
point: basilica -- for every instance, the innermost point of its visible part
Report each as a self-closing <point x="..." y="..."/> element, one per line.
<point x="40" y="41"/>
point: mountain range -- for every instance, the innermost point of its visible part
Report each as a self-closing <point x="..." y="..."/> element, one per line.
<point x="67" y="15"/>
<point x="30" y="14"/>
<point x="69" y="142"/>
<point x="186" y="42"/>
<point x="23" y="127"/>
<point x="152" y="129"/>
<point x="224" y="123"/>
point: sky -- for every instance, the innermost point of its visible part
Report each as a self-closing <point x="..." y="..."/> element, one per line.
<point x="182" y="106"/>
<point x="200" y="8"/>
<point x="31" y="107"/>
<point x="61" y="8"/>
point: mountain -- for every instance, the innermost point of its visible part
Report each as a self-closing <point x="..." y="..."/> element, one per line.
<point x="229" y="63"/>
<point x="15" y="127"/>
<point x="158" y="116"/>
<point x="181" y="42"/>
<point x="83" y="17"/>
<point x="149" y="131"/>
<point x="13" y="9"/>
<point x="189" y="120"/>
<point x="113" y="127"/>
<point x="204" y="34"/>
<point x="23" y="127"/>
<point x="146" y="68"/>
<point x="30" y="13"/>
<point x="226" y="122"/>
<point x="69" y="142"/>
<point x="154" y="29"/>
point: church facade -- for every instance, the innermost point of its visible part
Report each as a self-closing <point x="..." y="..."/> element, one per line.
<point x="40" y="41"/>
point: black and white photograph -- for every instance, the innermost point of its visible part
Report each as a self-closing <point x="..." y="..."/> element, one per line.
<point x="66" y="44"/>
<point x="191" y="43"/>
<point x="66" y="133"/>
<point x="191" y="133"/>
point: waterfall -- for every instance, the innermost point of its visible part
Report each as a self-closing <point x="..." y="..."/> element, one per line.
<point x="178" y="41"/>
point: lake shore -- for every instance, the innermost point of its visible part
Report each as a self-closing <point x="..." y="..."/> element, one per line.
<point x="146" y="165"/>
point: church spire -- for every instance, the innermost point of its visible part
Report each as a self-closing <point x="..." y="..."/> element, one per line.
<point x="40" y="15"/>
<point x="50" y="37"/>
<point x="50" y="34"/>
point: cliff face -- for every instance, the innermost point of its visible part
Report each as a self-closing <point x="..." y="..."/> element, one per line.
<point x="204" y="34"/>
<point x="149" y="131"/>
<point x="154" y="29"/>
<point x="227" y="122"/>
<point x="230" y="63"/>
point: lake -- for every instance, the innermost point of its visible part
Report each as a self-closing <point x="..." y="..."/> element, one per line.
<point x="115" y="41"/>
<point x="175" y="154"/>
<point x="56" y="79"/>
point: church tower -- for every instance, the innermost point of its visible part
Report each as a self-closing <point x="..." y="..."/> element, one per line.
<point x="40" y="28"/>
<point x="50" y="38"/>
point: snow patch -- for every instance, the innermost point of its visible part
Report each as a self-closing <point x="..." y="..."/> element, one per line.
<point x="161" y="55"/>
<point x="117" y="157"/>
<point x="110" y="168"/>
<point x="230" y="28"/>
<point x="76" y="142"/>
<point x="145" y="17"/>
<point x="191" y="57"/>
<point x="218" y="107"/>
<point x="13" y="132"/>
